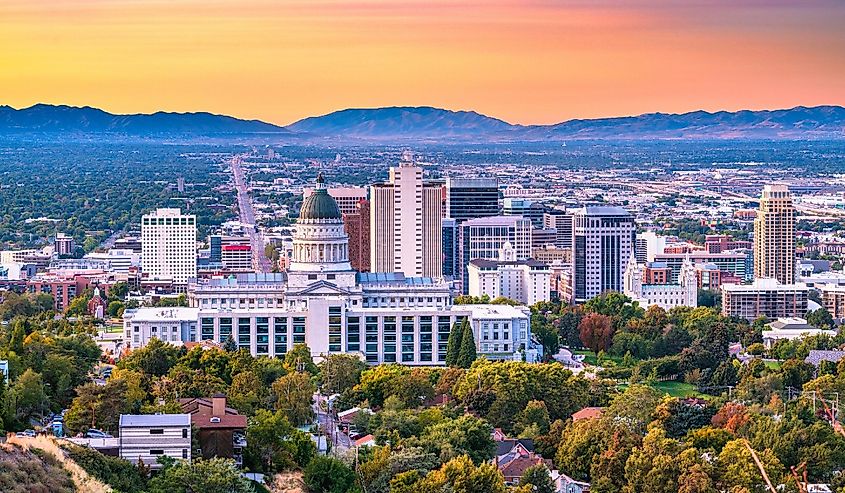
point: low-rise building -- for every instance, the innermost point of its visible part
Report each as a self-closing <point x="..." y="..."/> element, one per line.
<point x="649" y="284"/>
<point x="146" y="437"/>
<point x="526" y="281"/>
<point x="833" y="299"/>
<point x="764" y="298"/>
<point x="789" y="329"/>
<point x="175" y="325"/>
<point x="221" y="430"/>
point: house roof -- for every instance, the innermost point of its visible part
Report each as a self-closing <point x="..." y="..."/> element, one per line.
<point x="587" y="413"/>
<point x="507" y="445"/>
<point x="816" y="356"/>
<point x="516" y="467"/>
<point x="200" y="409"/>
<point x="149" y="420"/>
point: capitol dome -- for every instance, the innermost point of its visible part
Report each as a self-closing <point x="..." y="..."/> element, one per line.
<point x="320" y="205"/>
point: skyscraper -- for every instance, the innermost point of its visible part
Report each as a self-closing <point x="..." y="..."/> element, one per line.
<point x="562" y="222"/>
<point x="169" y="245"/>
<point x="468" y="198"/>
<point x="405" y="223"/>
<point x="603" y="240"/>
<point x="774" y="235"/>
<point x="357" y="226"/>
<point x="525" y="208"/>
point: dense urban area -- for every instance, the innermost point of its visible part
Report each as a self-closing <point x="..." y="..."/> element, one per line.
<point x="553" y="317"/>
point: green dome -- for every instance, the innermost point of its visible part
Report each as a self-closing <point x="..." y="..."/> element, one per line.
<point x="320" y="205"/>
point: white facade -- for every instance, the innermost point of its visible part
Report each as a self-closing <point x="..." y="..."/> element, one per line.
<point x="119" y="260"/>
<point x="169" y="245"/>
<point x="666" y="296"/>
<point x="484" y="237"/>
<point x="406" y="223"/>
<point x="147" y="437"/>
<point x="603" y="244"/>
<point x="526" y="281"/>
<point x="176" y="325"/>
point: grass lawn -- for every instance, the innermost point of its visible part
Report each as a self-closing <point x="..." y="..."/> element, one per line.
<point x="772" y="365"/>
<point x="590" y="357"/>
<point x="676" y="389"/>
<point x="113" y="329"/>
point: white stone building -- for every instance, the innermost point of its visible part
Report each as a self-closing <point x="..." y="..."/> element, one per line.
<point x="169" y="245"/>
<point x="526" y="281"/>
<point x="666" y="295"/>
<point x="176" y="325"/>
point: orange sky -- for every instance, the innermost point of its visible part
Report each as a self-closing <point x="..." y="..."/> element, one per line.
<point x="529" y="61"/>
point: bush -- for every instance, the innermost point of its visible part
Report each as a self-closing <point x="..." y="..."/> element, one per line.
<point x="118" y="473"/>
<point x="328" y="475"/>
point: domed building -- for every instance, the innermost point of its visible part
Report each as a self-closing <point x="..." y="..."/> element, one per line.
<point x="321" y="301"/>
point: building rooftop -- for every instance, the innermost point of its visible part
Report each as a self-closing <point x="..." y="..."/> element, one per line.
<point x="393" y="278"/>
<point x="495" y="221"/>
<point x="600" y="210"/>
<point x="492" y="264"/>
<point x="159" y="314"/>
<point x="767" y="284"/>
<point x="147" y="420"/>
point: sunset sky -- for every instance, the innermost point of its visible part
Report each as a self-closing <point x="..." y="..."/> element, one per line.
<point x="532" y="61"/>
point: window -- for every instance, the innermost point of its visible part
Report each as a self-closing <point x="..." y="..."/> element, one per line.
<point x="157" y="451"/>
<point x="184" y="433"/>
<point x="184" y="453"/>
<point x="157" y="431"/>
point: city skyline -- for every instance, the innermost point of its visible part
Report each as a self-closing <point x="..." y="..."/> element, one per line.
<point x="529" y="63"/>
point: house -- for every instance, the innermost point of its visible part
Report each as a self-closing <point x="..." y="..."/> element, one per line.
<point x="513" y="464"/>
<point x="221" y="431"/>
<point x="498" y="435"/>
<point x="365" y="441"/>
<point x="587" y="413"/>
<point x="146" y="437"/>
<point x="565" y="484"/>
<point x="514" y="445"/>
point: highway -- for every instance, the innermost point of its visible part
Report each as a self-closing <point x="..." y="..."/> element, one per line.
<point x="260" y="262"/>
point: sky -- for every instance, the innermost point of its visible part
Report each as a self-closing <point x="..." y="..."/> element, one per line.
<point x="525" y="61"/>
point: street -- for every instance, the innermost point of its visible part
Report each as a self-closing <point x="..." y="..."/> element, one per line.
<point x="260" y="262"/>
<point x="339" y="439"/>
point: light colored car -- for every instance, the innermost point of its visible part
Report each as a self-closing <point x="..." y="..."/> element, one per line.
<point x="94" y="433"/>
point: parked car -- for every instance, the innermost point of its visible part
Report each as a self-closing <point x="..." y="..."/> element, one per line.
<point x="26" y="433"/>
<point x="94" y="433"/>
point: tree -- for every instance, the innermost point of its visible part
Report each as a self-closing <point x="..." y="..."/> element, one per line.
<point x="115" y="308"/>
<point x="97" y="406"/>
<point x="736" y="468"/>
<point x="467" y="353"/>
<point x="274" y="445"/>
<point x="466" y="435"/>
<point x="340" y="372"/>
<point x="29" y="394"/>
<point x="459" y="475"/>
<point x="154" y="359"/>
<point x="299" y="359"/>
<point x="820" y="318"/>
<point x="246" y="393"/>
<point x="596" y="332"/>
<point x="534" y="415"/>
<point x="546" y="334"/>
<point x="635" y="407"/>
<point x="328" y="475"/>
<point x="453" y="344"/>
<point x="79" y="305"/>
<point x="538" y="479"/>
<point x="294" y="393"/>
<point x="215" y="475"/>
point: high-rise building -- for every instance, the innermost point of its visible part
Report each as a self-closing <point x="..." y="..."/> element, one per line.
<point x="469" y="198"/>
<point x="562" y="222"/>
<point x="603" y="245"/>
<point x="357" y="227"/>
<point x="482" y="238"/>
<point x="169" y="245"/>
<point x="451" y="249"/>
<point x="64" y="244"/>
<point x="237" y="258"/>
<point x="774" y="235"/>
<point x="406" y="223"/>
<point x="525" y="208"/>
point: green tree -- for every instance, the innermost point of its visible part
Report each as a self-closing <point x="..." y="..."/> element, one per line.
<point x="736" y="468"/>
<point x="97" y="406"/>
<point x="340" y="372"/>
<point x="154" y="359"/>
<point x="453" y="344"/>
<point x="294" y="395"/>
<point x="29" y="395"/>
<point x="299" y="359"/>
<point x="466" y="435"/>
<point x="820" y="318"/>
<point x="274" y="445"/>
<point x="246" y="393"/>
<point x="328" y="475"/>
<point x="534" y="415"/>
<point x="215" y="475"/>
<point x="538" y="479"/>
<point x="459" y="475"/>
<point x="115" y="308"/>
<point x="467" y="354"/>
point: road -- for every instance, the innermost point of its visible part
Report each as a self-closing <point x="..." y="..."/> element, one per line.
<point x="340" y="440"/>
<point x="260" y="262"/>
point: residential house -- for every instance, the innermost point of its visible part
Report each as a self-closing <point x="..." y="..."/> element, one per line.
<point x="221" y="431"/>
<point x="146" y="437"/>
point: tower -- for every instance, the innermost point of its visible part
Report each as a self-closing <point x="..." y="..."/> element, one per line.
<point x="169" y="245"/>
<point x="603" y="243"/>
<point x="774" y="235"/>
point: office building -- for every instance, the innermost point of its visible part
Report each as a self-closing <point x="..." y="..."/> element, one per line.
<point x="735" y="263"/>
<point x="648" y="284"/>
<point x="347" y="198"/>
<point x="451" y="250"/>
<point x="649" y="244"/>
<point x="482" y="238"/>
<point x="525" y="208"/>
<point x="323" y="302"/>
<point x="357" y="227"/>
<point x="469" y="198"/>
<point x="561" y="221"/>
<point x="64" y="244"/>
<point x="774" y="235"/>
<point x="543" y="237"/>
<point x="525" y="281"/>
<point x="236" y="258"/>
<point x="724" y="243"/>
<point x="169" y="245"/>
<point x="603" y="239"/>
<point x="175" y="325"/>
<point x="146" y="437"/>
<point x="765" y="297"/>
<point x="406" y="223"/>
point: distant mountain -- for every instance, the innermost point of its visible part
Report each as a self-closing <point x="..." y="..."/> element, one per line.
<point x="71" y="119"/>
<point x="402" y="122"/>
<point x="426" y="122"/>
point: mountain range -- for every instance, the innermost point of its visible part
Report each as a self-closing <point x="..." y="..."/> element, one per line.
<point x="428" y="123"/>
